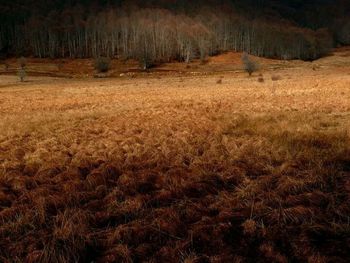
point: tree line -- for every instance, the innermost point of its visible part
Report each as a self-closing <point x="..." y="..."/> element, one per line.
<point x="155" y="35"/>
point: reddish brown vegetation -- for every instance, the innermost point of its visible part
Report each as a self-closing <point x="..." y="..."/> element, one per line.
<point x="261" y="206"/>
<point x="122" y="183"/>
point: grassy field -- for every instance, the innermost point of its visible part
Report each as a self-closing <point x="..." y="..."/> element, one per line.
<point x="182" y="168"/>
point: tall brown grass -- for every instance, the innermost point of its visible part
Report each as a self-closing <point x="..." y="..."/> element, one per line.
<point x="137" y="174"/>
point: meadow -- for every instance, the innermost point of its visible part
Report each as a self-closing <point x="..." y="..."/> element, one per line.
<point x="207" y="167"/>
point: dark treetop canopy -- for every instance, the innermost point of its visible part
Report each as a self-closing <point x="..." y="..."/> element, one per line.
<point x="159" y="30"/>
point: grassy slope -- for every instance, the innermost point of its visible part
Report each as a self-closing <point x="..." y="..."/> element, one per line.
<point x="225" y="63"/>
<point x="173" y="169"/>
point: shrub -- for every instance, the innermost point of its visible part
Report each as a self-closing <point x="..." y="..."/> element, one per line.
<point x="146" y="58"/>
<point x="22" y="62"/>
<point x="249" y="65"/>
<point x="60" y="65"/>
<point x="102" y="64"/>
<point x="261" y="79"/>
<point x="6" y="65"/>
<point x="22" y="68"/>
<point x="22" y="74"/>
<point x="275" y="77"/>
<point x="146" y="63"/>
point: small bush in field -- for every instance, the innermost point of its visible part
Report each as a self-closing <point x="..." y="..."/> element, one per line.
<point x="102" y="64"/>
<point x="6" y="65"/>
<point x="22" y="74"/>
<point x="60" y="65"/>
<point x="261" y="79"/>
<point x="275" y="77"/>
<point x="22" y="62"/>
<point x="249" y="65"/>
<point x="22" y="68"/>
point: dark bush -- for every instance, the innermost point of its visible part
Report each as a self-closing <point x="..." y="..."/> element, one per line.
<point x="275" y="78"/>
<point x="249" y="65"/>
<point x="102" y="64"/>
<point x="22" y="74"/>
<point x="6" y="65"/>
<point x="261" y="79"/>
<point x="22" y="68"/>
<point x="22" y="62"/>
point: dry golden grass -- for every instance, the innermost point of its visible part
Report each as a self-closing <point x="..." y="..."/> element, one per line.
<point x="176" y="169"/>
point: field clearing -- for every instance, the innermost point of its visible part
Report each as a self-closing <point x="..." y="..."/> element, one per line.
<point x="177" y="168"/>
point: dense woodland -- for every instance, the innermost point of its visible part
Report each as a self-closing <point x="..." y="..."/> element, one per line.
<point x="159" y="31"/>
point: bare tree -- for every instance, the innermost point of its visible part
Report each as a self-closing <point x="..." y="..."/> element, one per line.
<point x="22" y="68"/>
<point x="249" y="65"/>
<point x="184" y="39"/>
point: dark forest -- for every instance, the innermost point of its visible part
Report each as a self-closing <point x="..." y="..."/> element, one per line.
<point x="161" y="31"/>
